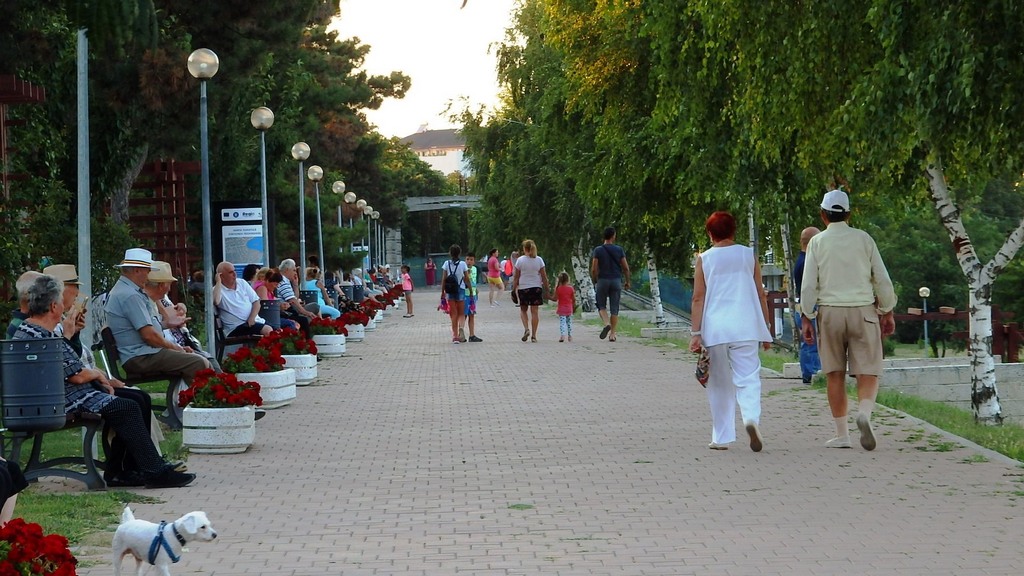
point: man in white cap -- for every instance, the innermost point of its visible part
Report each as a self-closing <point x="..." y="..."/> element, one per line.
<point x="139" y="336"/>
<point x="844" y="276"/>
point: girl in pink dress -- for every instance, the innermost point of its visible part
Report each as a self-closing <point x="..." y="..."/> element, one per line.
<point x="565" y="294"/>
<point x="407" y="289"/>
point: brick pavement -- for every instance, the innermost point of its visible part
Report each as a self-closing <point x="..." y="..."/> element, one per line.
<point x="416" y="456"/>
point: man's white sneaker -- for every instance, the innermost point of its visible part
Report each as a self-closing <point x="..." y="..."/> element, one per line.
<point x="838" y="442"/>
<point x="867" y="435"/>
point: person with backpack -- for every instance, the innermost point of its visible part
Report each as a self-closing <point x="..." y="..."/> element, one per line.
<point x="455" y="279"/>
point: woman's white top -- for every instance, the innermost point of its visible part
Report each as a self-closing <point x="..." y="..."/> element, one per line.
<point x="459" y="268"/>
<point x="529" y="272"/>
<point x="732" y="308"/>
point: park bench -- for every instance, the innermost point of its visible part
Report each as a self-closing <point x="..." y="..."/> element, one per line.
<point x="36" y="467"/>
<point x="224" y="341"/>
<point x="169" y="413"/>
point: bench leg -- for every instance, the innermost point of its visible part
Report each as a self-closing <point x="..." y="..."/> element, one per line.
<point x="172" y="413"/>
<point x="37" y="468"/>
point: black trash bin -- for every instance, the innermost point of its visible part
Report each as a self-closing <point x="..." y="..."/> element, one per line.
<point x="270" y="311"/>
<point x="32" y="384"/>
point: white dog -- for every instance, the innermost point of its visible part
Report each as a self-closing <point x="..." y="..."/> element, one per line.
<point x="160" y="544"/>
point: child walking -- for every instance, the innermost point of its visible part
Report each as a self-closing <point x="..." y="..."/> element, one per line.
<point x="407" y="288"/>
<point x="565" y="294"/>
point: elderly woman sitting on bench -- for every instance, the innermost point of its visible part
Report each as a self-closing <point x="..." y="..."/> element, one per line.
<point x="89" y="390"/>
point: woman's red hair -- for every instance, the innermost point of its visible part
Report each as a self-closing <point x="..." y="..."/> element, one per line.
<point x="721" y="226"/>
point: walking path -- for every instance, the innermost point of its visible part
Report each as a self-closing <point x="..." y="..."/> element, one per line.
<point x="416" y="456"/>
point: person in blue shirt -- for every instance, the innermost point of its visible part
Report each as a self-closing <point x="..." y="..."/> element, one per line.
<point x="810" y="363"/>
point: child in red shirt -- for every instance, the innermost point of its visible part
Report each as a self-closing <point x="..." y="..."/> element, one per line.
<point x="565" y="294"/>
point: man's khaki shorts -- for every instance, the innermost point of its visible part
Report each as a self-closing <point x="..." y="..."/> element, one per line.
<point x="851" y="335"/>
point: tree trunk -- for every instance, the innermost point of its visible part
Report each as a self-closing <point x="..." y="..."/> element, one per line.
<point x="787" y="256"/>
<point x="119" y="197"/>
<point x="980" y="277"/>
<point x="581" y="269"/>
<point x="652" y="273"/>
<point x="752" y="228"/>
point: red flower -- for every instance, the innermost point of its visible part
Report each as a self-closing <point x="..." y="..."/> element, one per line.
<point x="25" y="550"/>
<point x="287" y="341"/>
<point x="210" y="389"/>
<point x="253" y="359"/>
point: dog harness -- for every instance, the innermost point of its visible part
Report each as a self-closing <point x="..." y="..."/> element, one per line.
<point x="160" y="541"/>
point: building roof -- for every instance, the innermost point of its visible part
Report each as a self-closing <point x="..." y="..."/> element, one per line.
<point x="428" y="139"/>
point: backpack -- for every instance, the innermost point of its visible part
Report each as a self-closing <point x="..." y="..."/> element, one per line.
<point x="451" y="281"/>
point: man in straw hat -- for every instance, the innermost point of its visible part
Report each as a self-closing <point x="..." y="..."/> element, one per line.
<point x="173" y="317"/>
<point x="139" y="336"/>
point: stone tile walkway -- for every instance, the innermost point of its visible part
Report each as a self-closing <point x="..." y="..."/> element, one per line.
<point x="412" y="455"/>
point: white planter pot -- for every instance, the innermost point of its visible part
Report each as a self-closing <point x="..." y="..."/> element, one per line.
<point x="372" y="325"/>
<point x="276" y="388"/>
<point x="330" y="345"/>
<point x="218" y="430"/>
<point x="356" y="332"/>
<point x="304" y="366"/>
<point x="379" y="316"/>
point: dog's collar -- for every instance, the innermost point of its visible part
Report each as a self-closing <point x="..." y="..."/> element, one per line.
<point x="160" y="541"/>
<point x="181" y="539"/>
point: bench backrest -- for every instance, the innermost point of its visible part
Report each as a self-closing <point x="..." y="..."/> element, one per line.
<point x="110" y="356"/>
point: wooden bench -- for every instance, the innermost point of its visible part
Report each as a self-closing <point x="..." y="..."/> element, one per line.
<point x="37" y="468"/>
<point x="169" y="413"/>
<point x="223" y="340"/>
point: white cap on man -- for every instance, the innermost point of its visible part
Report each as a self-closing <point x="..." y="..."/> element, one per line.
<point x="836" y="201"/>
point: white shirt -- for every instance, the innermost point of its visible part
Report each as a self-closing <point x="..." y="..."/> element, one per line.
<point x="236" y="305"/>
<point x="459" y="269"/>
<point x="529" y="272"/>
<point x="732" y="308"/>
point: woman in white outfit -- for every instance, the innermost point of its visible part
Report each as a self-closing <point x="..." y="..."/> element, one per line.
<point x="730" y="318"/>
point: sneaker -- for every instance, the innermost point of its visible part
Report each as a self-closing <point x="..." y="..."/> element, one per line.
<point x="169" y="478"/>
<point x="475" y="339"/>
<point x="807" y="379"/>
<point x="755" y="437"/>
<point x="838" y="442"/>
<point x="455" y="341"/>
<point x="717" y="446"/>
<point x="867" y="435"/>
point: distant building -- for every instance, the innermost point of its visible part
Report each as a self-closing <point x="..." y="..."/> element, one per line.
<point x="442" y="149"/>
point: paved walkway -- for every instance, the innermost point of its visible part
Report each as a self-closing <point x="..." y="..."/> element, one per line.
<point x="416" y="456"/>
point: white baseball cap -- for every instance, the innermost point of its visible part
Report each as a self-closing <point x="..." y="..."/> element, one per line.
<point x="836" y="201"/>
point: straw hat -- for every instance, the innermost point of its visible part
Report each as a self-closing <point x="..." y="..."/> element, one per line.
<point x="161" y="272"/>
<point x="66" y="273"/>
<point x="136" y="258"/>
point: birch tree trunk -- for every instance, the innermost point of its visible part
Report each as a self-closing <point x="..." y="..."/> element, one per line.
<point x="581" y="270"/>
<point x="652" y="273"/>
<point x="787" y="256"/>
<point x="752" y="228"/>
<point x="984" y="395"/>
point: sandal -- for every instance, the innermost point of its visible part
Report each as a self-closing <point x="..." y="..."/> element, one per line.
<point x="611" y="338"/>
<point x="526" y="334"/>
<point x="534" y="339"/>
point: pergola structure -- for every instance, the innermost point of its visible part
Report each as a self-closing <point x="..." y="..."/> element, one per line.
<point x="13" y="91"/>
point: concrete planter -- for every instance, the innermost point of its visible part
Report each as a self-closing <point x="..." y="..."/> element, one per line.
<point x="330" y="345"/>
<point x="218" y="430"/>
<point x="304" y="366"/>
<point x="276" y="388"/>
<point x="356" y="332"/>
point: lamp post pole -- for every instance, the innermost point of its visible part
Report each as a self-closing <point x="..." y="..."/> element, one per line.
<point x="300" y="152"/>
<point x="203" y="65"/>
<point x="262" y="119"/>
<point x="367" y="210"/>
<point x="924" y="292"/>
<point x="316" y="174"/>
<point x="360" y="205"/>
<point x="379" y="239"/>
<point x="350" y="197"/>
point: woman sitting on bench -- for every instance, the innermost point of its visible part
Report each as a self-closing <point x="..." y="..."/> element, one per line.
<point x="88" y="390"/>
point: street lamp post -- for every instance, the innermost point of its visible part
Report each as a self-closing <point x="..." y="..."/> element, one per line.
<point x="316" y="174"/>
<point x="350" y="197"/>
<point x="262" y="119"/>
<point x="339" y="188"/>
<point x="379" y="239"/>
<point x="924" y="293"/>
<point x="203" y="65"/>
<point x="367" y="210"/>
<point x="300" y="152"/>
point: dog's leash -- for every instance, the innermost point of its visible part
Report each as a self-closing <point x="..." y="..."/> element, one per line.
<point x="160" y="541"/>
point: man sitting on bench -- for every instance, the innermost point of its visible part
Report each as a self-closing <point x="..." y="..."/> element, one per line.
<point x="238" y="304"/>
<point x="140" y="340"/>
<point x="89" y="390"/>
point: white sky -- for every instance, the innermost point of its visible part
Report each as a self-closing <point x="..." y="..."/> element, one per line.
<point x="443" y="48"/>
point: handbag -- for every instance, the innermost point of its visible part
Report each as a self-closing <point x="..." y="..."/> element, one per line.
<point x="703" y="369"/>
